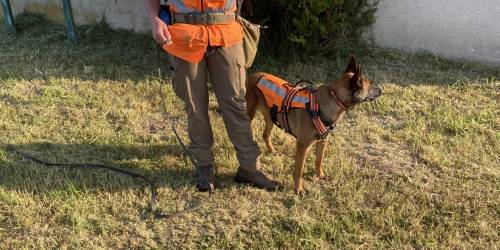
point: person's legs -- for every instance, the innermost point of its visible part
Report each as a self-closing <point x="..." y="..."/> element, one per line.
<point x="190" y="84"/>
<point x="228" y="75"/>
<point x="226" y="67"/>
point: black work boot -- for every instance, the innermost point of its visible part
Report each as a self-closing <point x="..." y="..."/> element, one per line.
<point x="257" y="178"/>
<point x="205" y="178"/>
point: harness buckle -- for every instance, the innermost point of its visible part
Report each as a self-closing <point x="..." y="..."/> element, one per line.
<point x="209" y="19"/>
<point x="323" y="136"/>
<point x="204" y="19"/>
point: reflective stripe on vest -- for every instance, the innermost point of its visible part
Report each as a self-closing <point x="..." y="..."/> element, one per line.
<point x="229" y="4"/>
<point x="274" y="90"/>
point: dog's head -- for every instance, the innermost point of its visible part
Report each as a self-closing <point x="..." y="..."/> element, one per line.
<point x="355" y="87"/>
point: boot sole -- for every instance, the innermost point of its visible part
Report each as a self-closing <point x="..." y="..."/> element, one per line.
<point x="205" y="189"/>
<point x="238" y="179"/>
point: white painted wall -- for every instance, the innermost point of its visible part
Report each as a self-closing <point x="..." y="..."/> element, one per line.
<point x="468" y="29"/>
<point x="125" y="14"/>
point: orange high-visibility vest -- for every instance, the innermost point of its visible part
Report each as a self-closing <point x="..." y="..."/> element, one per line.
<point x="189" y="42"/>
<point x="274" y="90"/>
<point x="278" y="92"/>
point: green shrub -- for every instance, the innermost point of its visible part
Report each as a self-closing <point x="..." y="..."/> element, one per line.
<point x="313" y="24"/>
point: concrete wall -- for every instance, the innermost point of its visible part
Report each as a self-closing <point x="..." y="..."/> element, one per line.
<point x="126" y="14"/>
<point x="450" y="28"/>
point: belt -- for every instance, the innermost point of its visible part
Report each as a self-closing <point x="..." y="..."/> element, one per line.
<point x="203" y="18"/>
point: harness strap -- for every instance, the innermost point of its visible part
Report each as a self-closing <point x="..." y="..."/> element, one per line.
<point x="285" y="108"/>
<point x="312" y="107"/>
<point x="319" y="125"/>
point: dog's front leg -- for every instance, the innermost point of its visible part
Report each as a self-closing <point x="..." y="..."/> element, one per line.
<point x="320" y="154"/>
<point x="300" y="159"/>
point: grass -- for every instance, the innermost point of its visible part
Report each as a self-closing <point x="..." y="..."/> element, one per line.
<point x="419" y="168"/>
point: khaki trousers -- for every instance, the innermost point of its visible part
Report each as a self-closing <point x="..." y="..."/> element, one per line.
<point x="225" y="65"/>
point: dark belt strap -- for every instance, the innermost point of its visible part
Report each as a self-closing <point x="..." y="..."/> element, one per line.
<point x="204" y="18"/>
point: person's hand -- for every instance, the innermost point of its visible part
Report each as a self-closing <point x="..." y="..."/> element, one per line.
<point x="160" y="31"/>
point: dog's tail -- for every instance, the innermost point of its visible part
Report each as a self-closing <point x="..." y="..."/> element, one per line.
<point x="251" y="94"/>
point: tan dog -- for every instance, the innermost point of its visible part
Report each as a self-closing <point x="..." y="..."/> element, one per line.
<point x="352" y="88"/>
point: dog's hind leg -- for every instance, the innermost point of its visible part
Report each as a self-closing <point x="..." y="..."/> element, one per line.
<point x="320" y="154"/>
<point x="252" y="102"/>
<point x="251" y="109"/>
<point x="266" y="134"/>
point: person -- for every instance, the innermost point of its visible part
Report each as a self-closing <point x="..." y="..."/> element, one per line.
<point x="205" y="39"/>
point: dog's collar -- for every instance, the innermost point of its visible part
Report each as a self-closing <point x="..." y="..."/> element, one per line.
<point x="339" y="102"/>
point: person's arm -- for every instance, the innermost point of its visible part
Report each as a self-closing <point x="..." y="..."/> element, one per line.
<point x="158" y="27"/>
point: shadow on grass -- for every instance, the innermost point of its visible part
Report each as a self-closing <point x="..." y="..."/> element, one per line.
<point x="163" y="164"/>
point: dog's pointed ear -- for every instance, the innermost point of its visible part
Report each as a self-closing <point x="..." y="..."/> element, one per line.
<point x="356" y="80"/>
<point x="352" y="67"/>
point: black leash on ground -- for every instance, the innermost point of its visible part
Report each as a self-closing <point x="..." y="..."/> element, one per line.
<point x="153" y="187"/>
<point x="152" y="184"/>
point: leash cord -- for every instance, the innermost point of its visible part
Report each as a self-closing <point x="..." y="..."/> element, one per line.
<point x="184" y="148"/>
<point x="151" y="183"/>
<point x="164" y="109"/>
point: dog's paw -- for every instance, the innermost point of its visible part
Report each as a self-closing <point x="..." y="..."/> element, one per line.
<point x="301" y="192"/>
<point x="322" y="177"/>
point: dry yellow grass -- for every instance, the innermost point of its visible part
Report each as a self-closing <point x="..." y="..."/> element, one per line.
<point x="419" y="168"/>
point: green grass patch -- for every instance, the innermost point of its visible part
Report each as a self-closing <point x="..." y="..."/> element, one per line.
<point x="419" y="168"/>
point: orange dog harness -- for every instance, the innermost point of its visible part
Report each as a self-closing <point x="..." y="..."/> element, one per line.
<point x="281" y="97"/>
